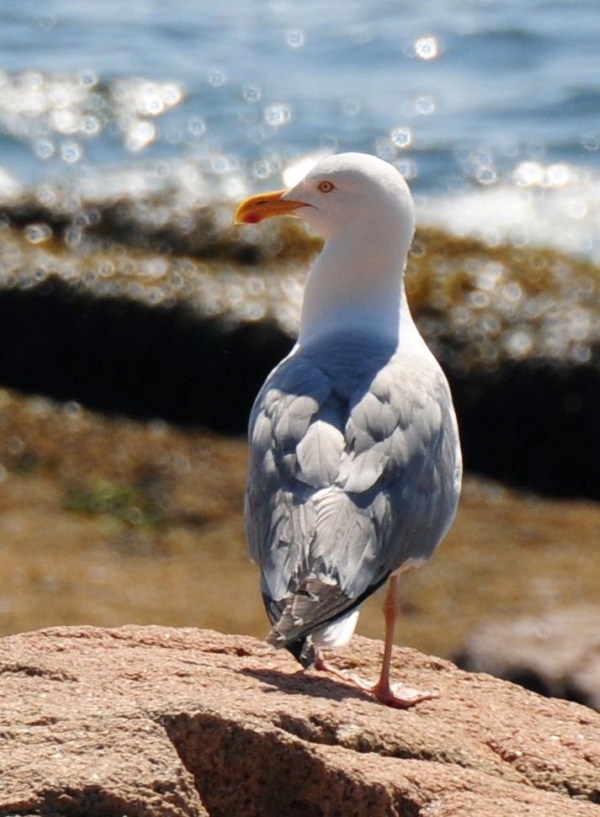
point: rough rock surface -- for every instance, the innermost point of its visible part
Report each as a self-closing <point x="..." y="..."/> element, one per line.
<point x="157" y="721"/>
<point x="555" y="654"/>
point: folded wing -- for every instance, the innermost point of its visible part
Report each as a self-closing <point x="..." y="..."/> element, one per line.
<point x="347" y="482"/>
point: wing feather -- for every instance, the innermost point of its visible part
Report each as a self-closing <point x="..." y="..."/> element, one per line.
<point x="354" y="470"/>
<point x="318" y="454"/>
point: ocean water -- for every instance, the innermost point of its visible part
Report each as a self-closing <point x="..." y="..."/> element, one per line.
<point x="491" y="108"/>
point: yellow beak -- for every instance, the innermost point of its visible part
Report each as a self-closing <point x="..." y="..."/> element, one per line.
<point x="265" y="205"/>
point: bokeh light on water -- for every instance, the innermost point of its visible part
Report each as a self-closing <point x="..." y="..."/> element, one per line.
<point x="286" y="79"/>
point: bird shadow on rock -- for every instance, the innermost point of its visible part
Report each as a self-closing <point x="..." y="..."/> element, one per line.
<point x="299" y="683"/>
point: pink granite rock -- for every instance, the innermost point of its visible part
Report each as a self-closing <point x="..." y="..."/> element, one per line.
<point x="157" y="721"/>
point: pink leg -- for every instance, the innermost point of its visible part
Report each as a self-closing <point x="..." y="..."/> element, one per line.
<point x="396" y="695"/>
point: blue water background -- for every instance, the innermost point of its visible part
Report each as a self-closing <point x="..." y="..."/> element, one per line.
<point x="462" y="95"/>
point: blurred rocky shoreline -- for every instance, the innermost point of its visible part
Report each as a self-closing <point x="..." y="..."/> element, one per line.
<point x="152" y="308"/>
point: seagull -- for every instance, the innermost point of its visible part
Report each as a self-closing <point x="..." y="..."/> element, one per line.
<point x="355" y="462"/>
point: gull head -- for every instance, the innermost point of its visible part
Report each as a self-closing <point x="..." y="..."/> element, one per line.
<point x="341" y="195"/>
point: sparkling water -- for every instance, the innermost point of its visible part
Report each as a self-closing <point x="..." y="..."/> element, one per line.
<point x="491" y="108"/>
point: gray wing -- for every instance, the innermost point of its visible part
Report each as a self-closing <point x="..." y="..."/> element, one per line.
<point x="354" y="471"/>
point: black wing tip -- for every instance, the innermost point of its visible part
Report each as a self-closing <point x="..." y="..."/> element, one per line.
<point x="303" y="649"/>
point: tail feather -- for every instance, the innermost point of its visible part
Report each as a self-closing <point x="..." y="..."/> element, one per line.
<point x="314" y="605"/>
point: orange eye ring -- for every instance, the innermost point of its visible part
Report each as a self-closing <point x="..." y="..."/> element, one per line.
<point x="326" y="186"/>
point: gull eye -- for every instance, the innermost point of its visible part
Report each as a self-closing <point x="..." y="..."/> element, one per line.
<point x="326" y="186"/>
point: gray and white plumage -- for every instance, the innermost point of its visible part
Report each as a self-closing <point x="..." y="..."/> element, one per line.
<point x="355" y="462"/>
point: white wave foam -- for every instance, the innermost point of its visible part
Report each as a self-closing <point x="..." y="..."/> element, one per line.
<point x="543" y="205"/>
